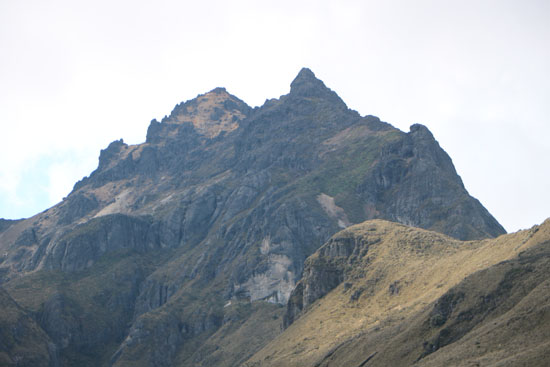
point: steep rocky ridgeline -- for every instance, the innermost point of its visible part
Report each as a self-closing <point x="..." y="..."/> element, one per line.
<point x="382" y="294"/>
<point x="215" y="212"/>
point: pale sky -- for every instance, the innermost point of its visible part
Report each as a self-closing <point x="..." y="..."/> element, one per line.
<point x="76" y="75"/>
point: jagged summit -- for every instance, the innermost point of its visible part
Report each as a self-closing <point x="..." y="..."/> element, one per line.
<point x="210" y="114"/>
<point x="307" y="85"/>
<point x="218" y="90"/>
<point x="306" y="76"/>
<point x="218" y="111"/>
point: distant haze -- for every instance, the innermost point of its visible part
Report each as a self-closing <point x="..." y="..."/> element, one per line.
<point x="75" y="76"/>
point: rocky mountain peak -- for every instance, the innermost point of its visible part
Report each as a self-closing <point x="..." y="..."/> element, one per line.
<point x="305" y="75"/>
<point x="211" y="219"/>
<point x="211" y="113"/>
<point x="420" y="130"/>
<point x="307" y="85"/>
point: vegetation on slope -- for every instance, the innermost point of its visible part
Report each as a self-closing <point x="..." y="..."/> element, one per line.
<point x="410" y="296"/>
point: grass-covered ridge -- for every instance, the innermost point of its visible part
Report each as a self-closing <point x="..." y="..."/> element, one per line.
<point x="393" y="277"/>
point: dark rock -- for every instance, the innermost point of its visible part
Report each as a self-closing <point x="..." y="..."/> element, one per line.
<point x="413" y="161"/>
<point x="110" y="153"/>
<point x="27" y="238"/>
<point x="22" y="342"/>
<point x="77" y="206"/>
<point x="86" y="243"/>
<point x="394" y="288"/>
<point x="322" y="274"/>
<point x="444" y="307"/>
<point x="59" y="320"/>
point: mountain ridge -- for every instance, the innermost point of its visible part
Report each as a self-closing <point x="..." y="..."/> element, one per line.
<point x="220" y="207"/>
<point x="437" y="302"/>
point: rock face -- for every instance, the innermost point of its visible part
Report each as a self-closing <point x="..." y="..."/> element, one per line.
<point x="391" y="189"/>
<point x="223" y="203"/>
<point x="22" y="341"/>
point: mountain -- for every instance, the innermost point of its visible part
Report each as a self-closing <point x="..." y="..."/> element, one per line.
<point x="383" y="294"/>
<point x="184" y="250"/>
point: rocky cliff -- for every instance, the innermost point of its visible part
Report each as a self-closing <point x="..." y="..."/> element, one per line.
<point x="156" y="254"/>
<point x="22" y="341"/>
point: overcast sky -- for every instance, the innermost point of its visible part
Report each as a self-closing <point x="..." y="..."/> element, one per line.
<point x="76" y="75"/>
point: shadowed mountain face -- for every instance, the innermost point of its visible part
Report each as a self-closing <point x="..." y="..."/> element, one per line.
<point x="22" y="341"/>
<point x="182" y="244"/>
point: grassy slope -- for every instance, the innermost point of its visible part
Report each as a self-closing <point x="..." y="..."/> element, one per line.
<point x="423" y="265"/>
